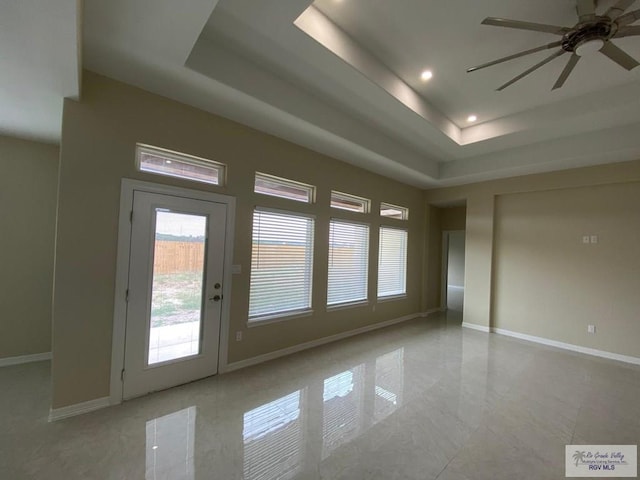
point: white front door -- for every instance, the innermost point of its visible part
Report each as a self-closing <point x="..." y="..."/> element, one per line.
<point x="175" y="297"/>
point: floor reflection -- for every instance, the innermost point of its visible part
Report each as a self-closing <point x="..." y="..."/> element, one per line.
<point x="287" y="437"/>
<point x="343" y="397"/>
<point x="170" y="446"/>
<point x="272" y="437"/>
<point x="389" y="383"/>
<point x="280" y="434"/>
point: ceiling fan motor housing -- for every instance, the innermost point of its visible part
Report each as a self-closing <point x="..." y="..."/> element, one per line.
<point x="602" y="28"/>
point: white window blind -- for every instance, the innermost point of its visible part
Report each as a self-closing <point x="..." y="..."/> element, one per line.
<point x="348" y="262"/>
<point x="281" y="264"/>
<point x="392" y="262"/>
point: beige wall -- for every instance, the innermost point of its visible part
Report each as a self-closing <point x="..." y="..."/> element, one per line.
<point x="547" y="283"/>
<point x="477" y="261"/>
<point x="433" y="254"/>
<point x="546" y="211"/>
<point x="28" y="185"/>
<point x="454" y="218"/>
<point x="98" y="142"/>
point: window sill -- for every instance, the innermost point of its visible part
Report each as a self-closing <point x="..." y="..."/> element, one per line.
<point x="278" y="317"/>
<point x="344" y="306"/>
<point x="392" y="298"/>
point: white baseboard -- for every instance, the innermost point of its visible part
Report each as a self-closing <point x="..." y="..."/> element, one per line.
<point x="36" y="357"/>
<point x="315" y="343"/>
<point x="568" y="346"/>
<point x="78" y="409"/>
<point x="473" y="326"/>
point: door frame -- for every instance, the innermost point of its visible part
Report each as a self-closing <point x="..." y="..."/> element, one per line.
<point x="128" y="186"/>
<point x="444" y="267"/>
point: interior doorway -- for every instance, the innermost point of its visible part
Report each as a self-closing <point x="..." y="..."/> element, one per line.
<point x="453" y="256"/>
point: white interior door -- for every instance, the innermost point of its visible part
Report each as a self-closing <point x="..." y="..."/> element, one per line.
<point x="175" y="291"/>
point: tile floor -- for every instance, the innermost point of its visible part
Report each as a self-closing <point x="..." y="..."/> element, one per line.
<point x="422" y="400"/>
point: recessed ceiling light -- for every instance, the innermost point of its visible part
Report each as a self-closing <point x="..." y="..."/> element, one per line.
<point x="471" y="118"/>
<point x="426" y="75"/>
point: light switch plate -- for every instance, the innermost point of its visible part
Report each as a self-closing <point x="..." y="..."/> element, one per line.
<point x="586" y="239"/>
<point x="594" y="238"/>
<point x="591" y="329"/>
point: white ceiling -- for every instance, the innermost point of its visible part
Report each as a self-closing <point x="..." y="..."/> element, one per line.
<point x="448" y="38"/>
<point x="39" y="66"/>
<point x="341" y="77"/>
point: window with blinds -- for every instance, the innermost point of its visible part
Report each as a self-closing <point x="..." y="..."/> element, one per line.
<point x="281" y="264"/>
<point x="348" y="262"/>
<point x="392" y="262"/>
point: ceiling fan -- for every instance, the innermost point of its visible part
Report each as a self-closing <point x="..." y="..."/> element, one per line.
<point x="591" y="34"/>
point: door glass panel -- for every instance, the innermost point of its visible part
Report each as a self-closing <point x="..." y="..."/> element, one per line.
<point x="177" y="288"/>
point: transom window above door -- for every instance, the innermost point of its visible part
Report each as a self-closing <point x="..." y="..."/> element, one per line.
<point x="179" y="165"/>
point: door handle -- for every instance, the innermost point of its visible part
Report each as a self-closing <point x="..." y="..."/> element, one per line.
<point x="216" y="298"/>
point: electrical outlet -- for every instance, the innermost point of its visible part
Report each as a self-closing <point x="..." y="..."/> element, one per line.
<point x="238" y="336"/>
<point x="594" y="238"/>
<point x="591" y="329"/>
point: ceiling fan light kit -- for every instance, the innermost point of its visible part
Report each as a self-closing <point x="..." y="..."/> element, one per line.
<point x="589" y="47"/>
<point x="592" y="34"/>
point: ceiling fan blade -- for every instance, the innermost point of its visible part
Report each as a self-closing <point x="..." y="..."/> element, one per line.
<point x="586" y="9"/>
<point x="631" y="31"/>
<point x="536" y="27"/>
<point x="618" y="9"/>
<point x="573" y="61"/>
<point x="516" y="55"/>
<point x="532" y="69"/>
<point x="619" y="56"/>
<point x="628" y="18"/>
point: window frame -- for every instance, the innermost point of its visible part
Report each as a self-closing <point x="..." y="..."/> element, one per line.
<point x="404" y="211"/>
<point x="366" y="203"/>
<point x="358" y="302"/>
<point x="180" y="157"/>
<point x="285" y="182"/>
<point x="283" y="315"/>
